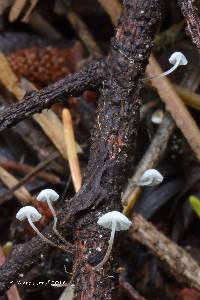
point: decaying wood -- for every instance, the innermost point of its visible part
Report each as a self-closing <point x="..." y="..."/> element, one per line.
<point x="180" y="262"/>
<point x="192" y="17"/>
<point x="34" y="102"/>
<point x="113" y="138"/>
<point x="47" y="120"/>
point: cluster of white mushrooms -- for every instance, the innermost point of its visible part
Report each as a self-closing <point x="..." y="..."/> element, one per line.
<point x="32" y="215"/>
<point x="114" y="220"/>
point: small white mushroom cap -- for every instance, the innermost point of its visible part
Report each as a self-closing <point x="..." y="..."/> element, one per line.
<point x="178" y="56"/>
<point x="28" y="211"/>
<point x="157" y="116"/>
<point x="121" y="221"/>
<point x="47" y="194"/>
<point x="150" y="177"/>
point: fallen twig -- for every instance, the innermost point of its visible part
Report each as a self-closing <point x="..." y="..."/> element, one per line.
<point x="24" y="168"/>
<point x="83" y="33"/>
<point x="34" y="102"/>
<point x="180" y="262"/>
<point x="28" y="177"/>
<point x="22" y="193"/>
<point x="127" y="288"/>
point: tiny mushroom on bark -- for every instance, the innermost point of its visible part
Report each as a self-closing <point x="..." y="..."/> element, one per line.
<point x="176" y="59"/>
<point x="32" y="215"/>
<point x="114" y="221"/>
<point x="150" y="177"/>
<point x="49" y="196"/>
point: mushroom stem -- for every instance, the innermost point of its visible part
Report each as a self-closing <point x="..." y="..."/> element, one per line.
<point x="55" y="222"/>
<point x="110" y="244"/>
<point x="172" y="69"/>
<point x="43" y="237"/>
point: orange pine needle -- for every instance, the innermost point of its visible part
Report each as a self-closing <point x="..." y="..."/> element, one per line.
<point x="71" y="149"/>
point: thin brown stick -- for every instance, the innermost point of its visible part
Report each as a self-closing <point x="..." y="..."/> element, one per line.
<point x="88" y="78"/>
<point x="180" y="262"/>
<point x="83" y="32"/>
<point x="16" y="9"/>
<point x="43" y="27"/>
<point x="113" y="8"/>
<point x="175" y="106"/>
<point x="71" y="149"/>
<point x="24" y="168"/>
<point x="28" y="177"/>
<point x="23" y="196"/>
<point x="190" y="98"/>
<point x="30" y="10"/>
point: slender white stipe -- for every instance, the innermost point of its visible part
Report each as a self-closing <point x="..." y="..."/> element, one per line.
<point x="32" y="215"/>
<point x="176" y="59"/>
<point x="115" y="221"/>
<point x="49" y="196"/>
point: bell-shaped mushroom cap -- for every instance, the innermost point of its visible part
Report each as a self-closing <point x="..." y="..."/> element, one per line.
<point x="30" y="211"/>
<point x="120" y="220"/>
<point x="150" y="177"/>
<point x="178" y="56"/>
<point x="47" y="194"/>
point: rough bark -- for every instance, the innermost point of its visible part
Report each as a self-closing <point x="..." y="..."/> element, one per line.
<point x="34" y="102"/>
<point x="113" y="138"/>
<point x="192" y="17"/>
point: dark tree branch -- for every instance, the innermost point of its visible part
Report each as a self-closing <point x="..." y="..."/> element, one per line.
<point x="73" y="85"/>
<point x="113" y="138"/>
<point x="192" y="17"/>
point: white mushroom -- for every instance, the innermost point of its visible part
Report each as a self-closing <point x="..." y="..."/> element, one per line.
<point x="176" y="59"/>
<point x="115" y="221"/>
<point x="157" y="116"/>
<point x="32" y="215"/>
<point x="49" y="196"/>
<point x="150" y="177"/>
